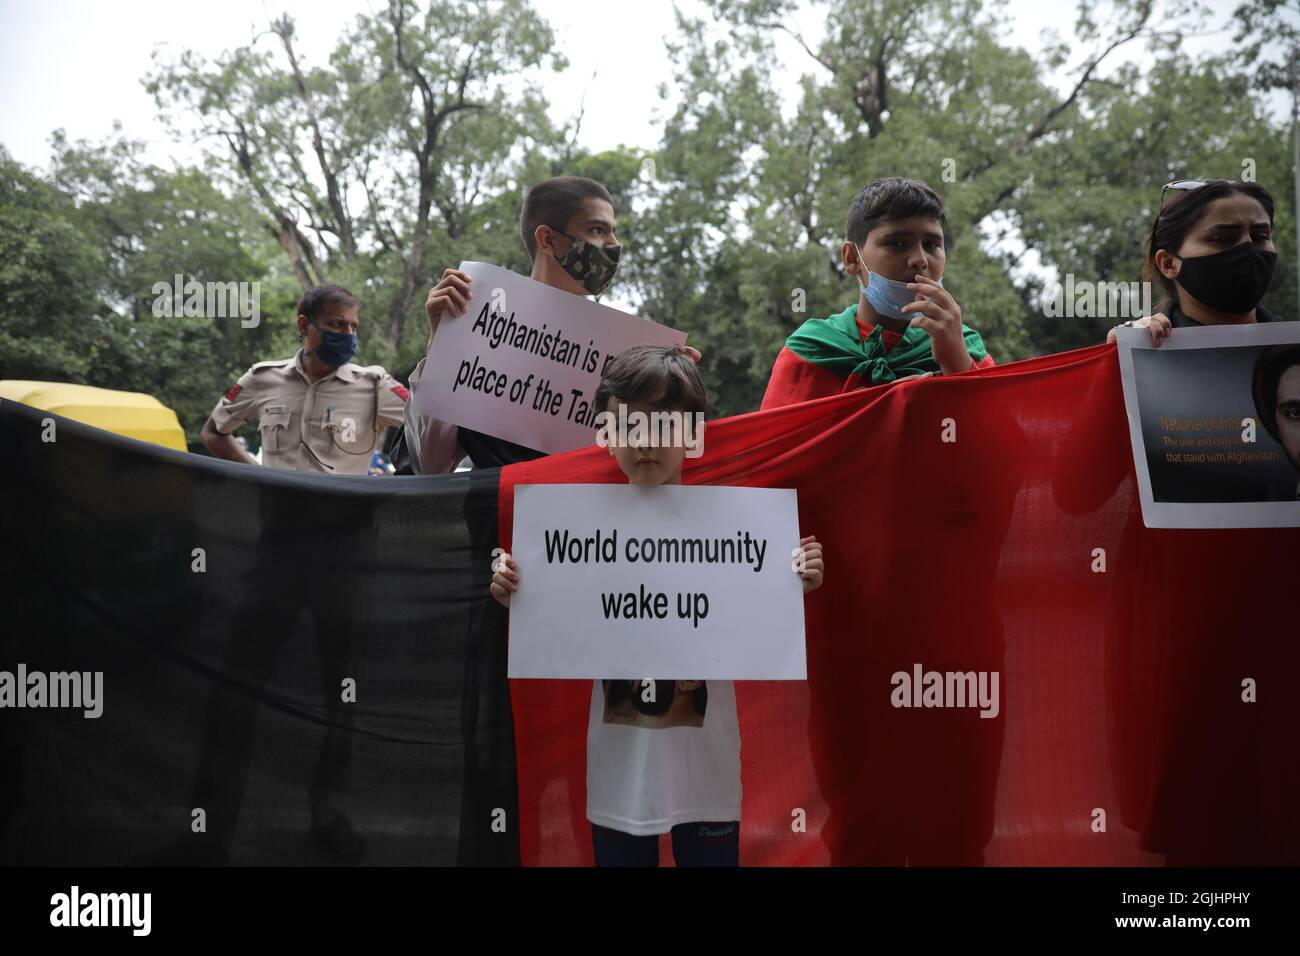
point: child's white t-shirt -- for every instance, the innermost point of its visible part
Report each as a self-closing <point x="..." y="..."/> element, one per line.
<point x="652" y="764"/>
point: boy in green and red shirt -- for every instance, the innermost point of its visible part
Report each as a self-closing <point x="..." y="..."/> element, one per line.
<point x="904" y="324"/>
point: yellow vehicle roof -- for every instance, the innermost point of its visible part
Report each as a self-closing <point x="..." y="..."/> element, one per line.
<point x="132" y="414"/>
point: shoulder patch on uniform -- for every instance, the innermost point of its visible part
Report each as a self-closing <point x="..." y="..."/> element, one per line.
<point x="234" y="392"/>
<point x="401" y="391"/>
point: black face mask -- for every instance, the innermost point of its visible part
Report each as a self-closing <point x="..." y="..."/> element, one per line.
<point x="1233" y="280"/>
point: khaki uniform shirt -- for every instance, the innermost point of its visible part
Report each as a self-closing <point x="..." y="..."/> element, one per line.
<point x="331" y="425"/>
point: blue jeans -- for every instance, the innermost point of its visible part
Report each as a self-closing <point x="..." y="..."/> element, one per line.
<point x="694" y="844"/>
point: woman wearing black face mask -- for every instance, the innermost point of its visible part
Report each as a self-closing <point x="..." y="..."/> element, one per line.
<point x="1185" y="616"/>
<point x="1211" y="249"/>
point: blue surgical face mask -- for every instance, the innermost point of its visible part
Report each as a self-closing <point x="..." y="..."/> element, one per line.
<point x="336" y="348"/>
<point x="888" y="296"/>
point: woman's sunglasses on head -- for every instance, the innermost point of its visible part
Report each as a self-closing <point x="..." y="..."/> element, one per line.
<point x="1181" y="185"/>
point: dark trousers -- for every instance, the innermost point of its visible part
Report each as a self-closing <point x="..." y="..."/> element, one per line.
<point x="694" y="844"/>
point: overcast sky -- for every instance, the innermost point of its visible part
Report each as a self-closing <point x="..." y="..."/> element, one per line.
<point x="77" y="64"/>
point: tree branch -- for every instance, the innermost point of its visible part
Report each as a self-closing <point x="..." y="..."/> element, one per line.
<point x="283" y="28"/>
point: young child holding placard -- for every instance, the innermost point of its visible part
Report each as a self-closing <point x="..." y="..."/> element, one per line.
<point x="662" y="756"/>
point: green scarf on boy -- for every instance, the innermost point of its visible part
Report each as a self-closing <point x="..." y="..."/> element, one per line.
<point x="835" y="344"/>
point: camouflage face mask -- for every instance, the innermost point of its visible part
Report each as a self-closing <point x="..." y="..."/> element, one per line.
<point x="590" y="264"/>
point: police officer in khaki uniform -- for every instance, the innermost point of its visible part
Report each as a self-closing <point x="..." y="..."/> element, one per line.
<point x="316" y="411"/>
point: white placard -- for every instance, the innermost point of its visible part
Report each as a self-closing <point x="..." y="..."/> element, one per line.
<point x="1202" y="453"/>
<point x="524" y="360"/>
<point x="646" y="549"/>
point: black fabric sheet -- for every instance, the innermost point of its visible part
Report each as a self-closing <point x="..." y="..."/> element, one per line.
<point x="222" y="688"/>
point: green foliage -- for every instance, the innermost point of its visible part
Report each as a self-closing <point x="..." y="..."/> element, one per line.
<point x="752" y="198"/>
<point x="82" y="253"/>
<point x="411" y="148"/>
<point x="51" y="271"/>
<point x="1095" y="198"/>
<point x="371" y="169"/>
<point x="1268" y="42"/>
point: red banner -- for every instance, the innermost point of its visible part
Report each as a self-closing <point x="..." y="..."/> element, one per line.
<point x="1147" y="706"/>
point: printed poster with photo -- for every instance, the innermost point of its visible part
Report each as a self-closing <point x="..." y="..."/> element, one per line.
<point x="1214" y="419"/>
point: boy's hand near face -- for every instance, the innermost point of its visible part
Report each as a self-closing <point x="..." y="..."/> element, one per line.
<point x="811" y="562"/>
<point x="449" y="296"/>
<point x="941" y="317"/>
<point x="505" y="578"/>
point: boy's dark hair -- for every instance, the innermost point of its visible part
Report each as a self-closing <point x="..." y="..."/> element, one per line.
<point x="1176" y="219"/>
<point x="316" y="300"/>
<point x="662" y="375"/>
<point x="1269" y="369"/>
<point x="553" y="203"/>
<point x="892" y="198"/>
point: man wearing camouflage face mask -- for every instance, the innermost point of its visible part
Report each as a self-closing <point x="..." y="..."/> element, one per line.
<point x="567" y="226"/>
<point x="592" y="265"/>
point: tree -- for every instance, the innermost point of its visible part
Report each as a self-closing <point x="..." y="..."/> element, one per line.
<point x="411" y="149"/>
<point x="750" y="199"/>
<point x="1094" y="201"/>
<point x="51" y="276"/>
<point x="364" y="169"/>
<point x="148" y="225"/>
<point x="1268" y="41"/>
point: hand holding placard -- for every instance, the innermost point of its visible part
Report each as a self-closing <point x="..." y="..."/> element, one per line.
<point x="505" y="577"/>
<point x="449" y="297"/>
<point x="808" y="563"/>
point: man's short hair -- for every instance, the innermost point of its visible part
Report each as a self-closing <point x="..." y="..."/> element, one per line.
<point x="662" y="375"/>
<point x="892" y="198"/>
<point x="317" y="300"/>
<point x="1269" y="369"/>
<point x="553" y="203"/>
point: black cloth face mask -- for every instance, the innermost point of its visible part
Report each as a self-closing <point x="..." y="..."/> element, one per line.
<point x="1233" y="280"/>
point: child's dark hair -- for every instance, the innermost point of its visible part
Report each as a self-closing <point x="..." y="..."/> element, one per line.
<point x="316" y="300"/>
<point x="1176" y="219"/>
<point x="1269" y="369"/>
<point x="892" y="198"/>
<point x="553" y="203"/>
<point x="662" y="375"/>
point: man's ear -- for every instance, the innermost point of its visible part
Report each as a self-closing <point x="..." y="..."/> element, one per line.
<point x="544" y="237"/>
<point x="302" y="325"/>
<point x="1167" y="265"/>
